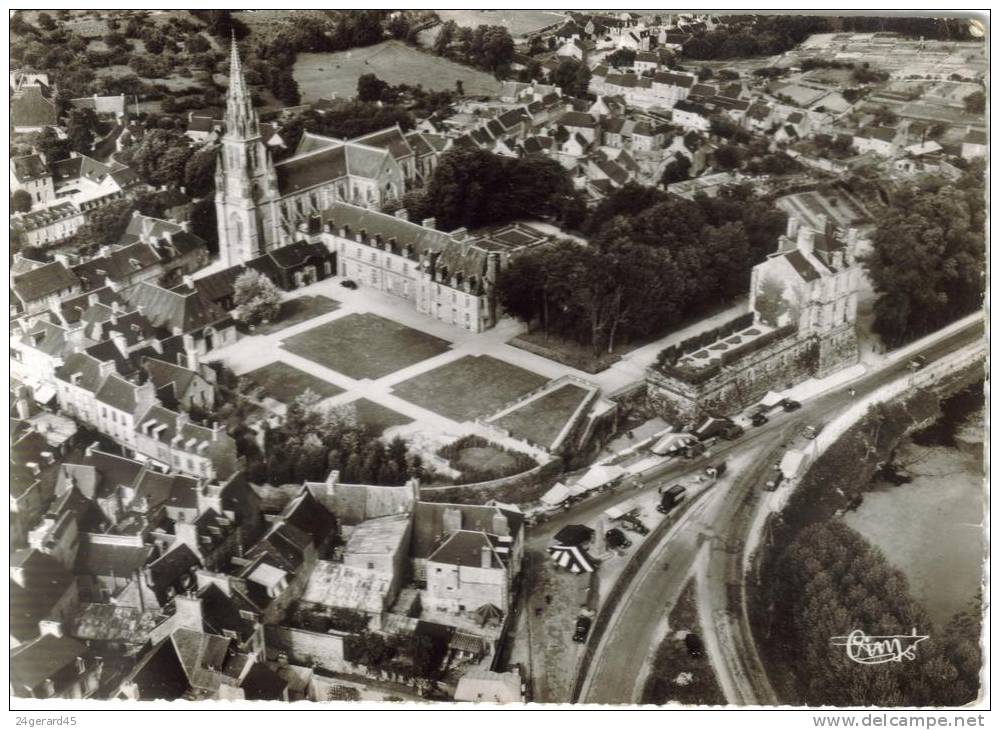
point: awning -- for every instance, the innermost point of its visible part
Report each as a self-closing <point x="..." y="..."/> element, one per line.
<point x="771" y="399"/>
<point x="557" y="495"/>
<point x="600" y="475"/>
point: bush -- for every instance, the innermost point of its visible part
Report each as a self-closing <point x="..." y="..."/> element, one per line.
<point x="471" y="474"/>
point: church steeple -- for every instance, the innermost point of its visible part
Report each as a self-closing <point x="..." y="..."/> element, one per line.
<point x="241" y="119"/>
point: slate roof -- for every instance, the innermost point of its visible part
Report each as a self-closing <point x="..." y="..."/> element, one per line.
<point x="262" y="683"/>
<point x="166" y="570"/>
<point x="87" y="365"/>
<point x="975" y="136"/>
<point x="173" y="310"/>
<point x="164" y="373"/>
<point x="672" y="79"/>
<point x="109" y="559"/>
<point x="391" y="139"/>
<point x="44" y="281"/>
<point x="220" y="285"/>
<point x="465" y="548"/>
<point x="159" y="675"/>
<point x="33" y="107"/>
<point x="33" y="663"/>
<point x="45" y="582"/>
<point x="802" y="265"/>
<point x="118" y="393"/>
<point x="577" y="119"/>
<point x="42" y="217"/>
<point x="110" y="622"/>
<point x="429" y="523"/>
<point x="30" y="167"/>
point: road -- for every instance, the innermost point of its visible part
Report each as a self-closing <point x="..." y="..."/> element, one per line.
<point x="613" y="676"/>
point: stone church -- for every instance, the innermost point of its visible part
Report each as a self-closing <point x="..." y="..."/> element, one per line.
<point x="261" y="204"/>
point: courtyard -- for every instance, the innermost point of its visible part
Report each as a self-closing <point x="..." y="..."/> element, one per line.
<point x="365" y="346"/>
<point x="469" y="387"/>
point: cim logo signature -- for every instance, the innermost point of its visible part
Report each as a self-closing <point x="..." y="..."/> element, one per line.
<point x="865" y="649"/>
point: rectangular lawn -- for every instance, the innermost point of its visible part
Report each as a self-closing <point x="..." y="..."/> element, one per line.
<point x="284" y="383"/>
<point x="468" y="387"/>
<point x="365" y="346"/>
<point x="540" y="421"/>
<point x="298" y="310"/>
<point x="377" y="415"/>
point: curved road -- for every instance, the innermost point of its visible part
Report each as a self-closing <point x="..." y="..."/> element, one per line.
<point x="722" y="522"/>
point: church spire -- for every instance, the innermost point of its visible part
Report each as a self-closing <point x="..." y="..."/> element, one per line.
<point x="241" y="119"/>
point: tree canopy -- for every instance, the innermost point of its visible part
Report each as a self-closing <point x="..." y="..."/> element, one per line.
<point x="928" y="259"/>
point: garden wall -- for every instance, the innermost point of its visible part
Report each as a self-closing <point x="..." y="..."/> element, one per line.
<point x="518" y="488"/>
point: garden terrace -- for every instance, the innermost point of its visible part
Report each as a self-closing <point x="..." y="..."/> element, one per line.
<point x="540" y="418"/>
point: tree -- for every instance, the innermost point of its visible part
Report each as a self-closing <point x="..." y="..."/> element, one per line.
<point x="975" y="103"/>
<point x="622" y="58"/>
<point x="927" y="261"/>
<point x="728" y="157"/>
<point x="45" y="21"/>
<point x="20" y="201"/>
<point x="572" y="76"/>
<point x="104" y="226"/>
<point x="676" y="170"/>
<point x="204" y="224"/>
<point x="199" y="173"/>
<point x="371" y="87"/>
<point x="48" y="143"/>
<point x="256" y="298"/>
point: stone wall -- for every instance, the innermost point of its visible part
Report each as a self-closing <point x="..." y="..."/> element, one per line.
<point x="779" y="366"/>
<point x="308" y="648"/>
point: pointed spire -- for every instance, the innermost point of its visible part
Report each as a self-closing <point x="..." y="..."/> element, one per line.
<point x="241" y="119"/>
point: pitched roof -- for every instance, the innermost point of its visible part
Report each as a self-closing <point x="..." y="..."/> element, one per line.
<point x="576" y="119"/>
<point x="118" y="393"/>
<point x="391" y="139"/>
<point x="262" y="683"/>
<point x="107" y="559"/>
<point x="802" y="265"/>
<point x="33" y="107"/>
<point x="159" y="675"/>
<point x="174" y="311"/>
<point x="465" y="548"/>
<point x="429" y="521"/>
<point x="44" y="281"/>
<point x="975" y="136"/>
<point x="30" y="167"/>
<point x="33" y="663"/>
<point x="111" y="622"/>
<point x="673" y="79"/>
<point x="86" y="365"/>
<point x="44" y="582"/>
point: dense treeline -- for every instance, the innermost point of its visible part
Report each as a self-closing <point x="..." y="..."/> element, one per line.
<point x="766" y="35"/>
<point x="928" y="259"/>
<point x="313" y="441"/>
<point x="654" y="260"/>
<point x="488" y="47"/>
<point x="830" y="582"/>
<point x="475" y="188"/>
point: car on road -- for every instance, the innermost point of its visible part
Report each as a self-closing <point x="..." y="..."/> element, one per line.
<point x="714" y="472"/>
<point x="759" y="419"/>
<point x="582" y="629"/>
<point x="671" y="498"/>
<point x="694" y="645"/>
<point x="349" y="284"/>
<point x="918" y="362"/>
<point x="616" y="538"/>
<point x="774" y="482"/>
<point x="790" y="405"/>
<point x="810" y="432"/>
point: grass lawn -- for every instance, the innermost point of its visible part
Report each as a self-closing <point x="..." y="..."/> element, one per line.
<point x="365" y="346"/>
<point x="468" y="387"/>
<point x="517" y="22"/>
<point x="540" y="421"/>
<point x="484" y="457"/>
<point x="377" y="415"/>
<point x="320" y="75"/>
<point x="672" y="659"/>
<point x="283" y="382"/>
<point x="295" y="311"/>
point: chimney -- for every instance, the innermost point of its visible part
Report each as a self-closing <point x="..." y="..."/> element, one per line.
<point x="793" y="227"/>
<point x="119" y="339"/>
<point x="187" y="534"/>
<point x="500" y="524"/>
<point x="188" y="611"/>
<point x="50" y="627"/>
<point x="805" y="239"/>
<point x="191" y="353"/>
<point x="486" y="557"/>
<point x="429" y="223"/>
<point x="451" y="520"/>
<point x="402" y="213"/>
<point x="106" y="367"/>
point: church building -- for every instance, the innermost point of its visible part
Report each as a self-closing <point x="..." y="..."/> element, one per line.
<point x="261" y="204"/>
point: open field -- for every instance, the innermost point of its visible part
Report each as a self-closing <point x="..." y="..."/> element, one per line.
<point x="540" y="421"/>
<point x="321" y="75"/>
<point x="284" y="383"/>
<point x="365" y="346"/>
<point x="468" y="387"/>
<point x="517" y="22"/>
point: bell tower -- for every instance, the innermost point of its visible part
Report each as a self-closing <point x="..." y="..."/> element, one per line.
<point x="245" y="181"/>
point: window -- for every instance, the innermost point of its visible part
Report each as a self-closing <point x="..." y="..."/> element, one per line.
<point x="371" y="566"/>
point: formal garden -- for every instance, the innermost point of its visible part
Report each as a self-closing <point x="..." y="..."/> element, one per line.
<point x="365" y="346"/>
<point x="468" y="388"/>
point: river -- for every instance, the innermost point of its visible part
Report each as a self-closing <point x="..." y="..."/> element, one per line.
<point x="932" y="528"/>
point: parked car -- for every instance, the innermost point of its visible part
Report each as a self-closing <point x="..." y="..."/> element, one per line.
<point x="694" y="646"/>
<point x="349" y="284"/>
<point x="810" y="432"/>
<point x="616" y="538"/>
<point x="918" y="362"/>
<point x="582" y="629"/>
<point x="633" y="523"/>
<point x="774" y="482"/>
<point x="790" y="405"/>
<point x="671" y="498"/>
<point x="759" y="419"/>
<point x="716" y="471"/>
